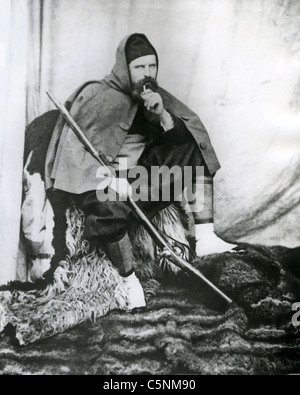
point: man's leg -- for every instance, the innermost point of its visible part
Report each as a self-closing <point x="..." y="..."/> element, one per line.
<point x="207" y="242"/>
<point x="160" y="159"/>
<point x="188" y="154"/>
<point x="60" y="201"/>
<point x="121" y="255"/>
<point x="107" y="223"/>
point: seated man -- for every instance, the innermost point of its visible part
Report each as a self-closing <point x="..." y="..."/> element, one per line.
<point x="133" y="122"/>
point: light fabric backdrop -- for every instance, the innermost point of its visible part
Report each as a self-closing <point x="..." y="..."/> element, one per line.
<point x="235" y="62"/>
<point x="13" y="80"/>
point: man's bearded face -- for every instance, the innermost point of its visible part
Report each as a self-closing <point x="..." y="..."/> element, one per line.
<point x="138" y="88"/>
<point x="143" y="72"/>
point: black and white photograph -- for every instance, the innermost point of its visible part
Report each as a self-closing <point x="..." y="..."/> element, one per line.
<point x="150" y="190"/>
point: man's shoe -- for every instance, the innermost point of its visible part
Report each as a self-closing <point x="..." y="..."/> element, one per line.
<point x="207" y="242"/>
<point x="135" y="292"/>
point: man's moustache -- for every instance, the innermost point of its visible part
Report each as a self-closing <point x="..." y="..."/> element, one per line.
<point x="147" y="82"/>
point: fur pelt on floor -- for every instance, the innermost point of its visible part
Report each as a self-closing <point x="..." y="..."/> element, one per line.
<point x="182" y="330"/>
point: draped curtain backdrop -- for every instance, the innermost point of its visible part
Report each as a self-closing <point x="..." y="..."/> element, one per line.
<point x="235" y="62"/>
<point x="13" y="81"/>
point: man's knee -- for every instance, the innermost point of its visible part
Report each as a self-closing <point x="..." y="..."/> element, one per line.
<point x="185" y="154"/>
<point x="105" y="221"/>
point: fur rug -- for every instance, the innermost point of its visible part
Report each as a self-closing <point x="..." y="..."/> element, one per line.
<point x="181" y="331"/>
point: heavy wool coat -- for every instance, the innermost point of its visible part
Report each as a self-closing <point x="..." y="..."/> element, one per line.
<point x="105" y="111"/>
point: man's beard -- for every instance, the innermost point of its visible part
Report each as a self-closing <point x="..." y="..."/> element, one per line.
<point x="138" y="88"/>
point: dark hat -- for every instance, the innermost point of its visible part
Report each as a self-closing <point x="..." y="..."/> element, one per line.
<point x="138" y="45"/>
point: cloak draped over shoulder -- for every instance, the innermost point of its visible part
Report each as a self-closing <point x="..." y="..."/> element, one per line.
<point x="105" y="112"/>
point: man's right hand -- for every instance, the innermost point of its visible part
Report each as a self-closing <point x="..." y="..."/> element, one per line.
<point x="122" y="187"/>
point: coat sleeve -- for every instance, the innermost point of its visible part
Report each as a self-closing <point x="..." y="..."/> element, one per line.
<point x="179" y="134"/>
<point x="195" y="127"/>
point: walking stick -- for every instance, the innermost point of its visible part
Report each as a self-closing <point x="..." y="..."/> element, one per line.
<point x="157" y="237"/>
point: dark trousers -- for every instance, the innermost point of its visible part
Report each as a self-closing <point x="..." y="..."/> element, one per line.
<point x="110" y="220"/>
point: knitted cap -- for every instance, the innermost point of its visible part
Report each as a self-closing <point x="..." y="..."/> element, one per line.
<point x="137" y="46"/>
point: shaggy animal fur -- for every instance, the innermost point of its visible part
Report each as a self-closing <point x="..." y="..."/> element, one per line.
<point x="177" y="333"/>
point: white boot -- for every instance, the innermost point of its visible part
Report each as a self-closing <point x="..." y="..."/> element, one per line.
<point x="207" y="242"/>
<point x="135" y="292"/>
